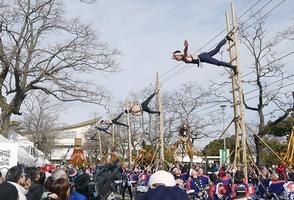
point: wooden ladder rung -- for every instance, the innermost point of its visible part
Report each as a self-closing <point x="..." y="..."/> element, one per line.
<point x="231" y="46"/>
<point x="233" y="59"/>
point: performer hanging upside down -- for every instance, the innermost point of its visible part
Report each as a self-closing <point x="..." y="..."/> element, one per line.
<point x="206" y="57"/>
<point x="137" y="109"/>
<point x="104" y="125"/>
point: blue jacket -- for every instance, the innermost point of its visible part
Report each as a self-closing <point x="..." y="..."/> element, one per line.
<point x="77" y="196"/>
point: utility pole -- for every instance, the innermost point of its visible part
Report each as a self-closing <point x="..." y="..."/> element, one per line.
<point x="161" y="130"/>
<point x="223" y="113"/>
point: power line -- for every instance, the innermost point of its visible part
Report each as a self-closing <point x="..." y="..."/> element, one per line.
<point x="271" y="10"/>
<point x="270" y="83"/>
<point x="278" y="59"/>
<point x="217" y="104"/>
<point x="164" y="74"/>
<point x="272" y="91"/>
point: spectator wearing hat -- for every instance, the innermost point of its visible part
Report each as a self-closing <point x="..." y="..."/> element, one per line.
<point x="179" y="178"/>
<point x="163" y="186"/>
<point x="17" y="177"/>
<point x="8" y="191"/>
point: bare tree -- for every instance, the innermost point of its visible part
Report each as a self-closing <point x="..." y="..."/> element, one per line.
<point x="266" y="69"/>
<point x="40" y="49"/>
<point x="39" y="117"/>
<point x="183" y="109"/>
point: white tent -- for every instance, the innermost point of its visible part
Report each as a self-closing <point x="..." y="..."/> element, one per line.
<point x="186" y="159"/>
<point x="23" y="157"/>
<point x="25" y="153"/>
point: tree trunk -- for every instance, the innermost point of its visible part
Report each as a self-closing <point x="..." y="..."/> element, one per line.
<point x="258" y="150"/>
<point x="5" y="121"/>
<point x="261" y="128"/>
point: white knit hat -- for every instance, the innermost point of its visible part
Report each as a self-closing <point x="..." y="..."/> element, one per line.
<point x="162" y="177"/>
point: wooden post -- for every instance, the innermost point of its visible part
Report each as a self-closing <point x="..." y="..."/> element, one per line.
<point x="161" y="130"/>
<point x="240" y="148"/>
<point x="235" y="107"/>
<point x="113" y="140"/>
<point x="100" y="144"/>
<point x="129" y="137"/>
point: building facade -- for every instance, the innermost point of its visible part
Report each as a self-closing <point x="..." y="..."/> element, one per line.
<point x="65" y="137"/>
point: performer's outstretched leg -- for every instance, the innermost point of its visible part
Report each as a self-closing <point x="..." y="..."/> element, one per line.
<point x="104" y="129"/>
<point x="145" y="105"/>
<point x="219" y="46"/>
<point x="115" y="120"/>
<point x="205" y="57"/>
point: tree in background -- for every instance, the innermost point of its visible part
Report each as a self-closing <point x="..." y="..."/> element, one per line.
<point x="212" y="149"/>
<point x="42" y="50"/>
<point x="39" y="117"/>
<point x="267" y="70"/>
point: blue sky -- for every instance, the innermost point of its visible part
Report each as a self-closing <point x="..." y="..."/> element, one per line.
<point x="146" y="32"/>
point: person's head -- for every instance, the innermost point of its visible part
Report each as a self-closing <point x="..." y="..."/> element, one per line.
<point x="221" y="173"/>
<point x="17" y="175"/>
<point x="200" y="171"/>
<point x="281" y="176"/>
<point x="239" y="176"/>
<point x="47" y="185"/>
<point x="82" y="184"/>
<point x="61" y="188"/>
<point x="176" y="171"/>
<point x="177" y="55"/>
<point x="33" y="173"/>
<point x="291" y="176"/>
<point x="59" y="173"/>
<point x="7" y="188"/>
<point x="161" y="178"/>
<point x="264" y="172"/>
<point x="193" y="173"/>
<point x="213" y="177"/>
<point x="274" y="176"/>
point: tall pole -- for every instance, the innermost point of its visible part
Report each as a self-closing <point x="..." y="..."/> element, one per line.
<point x="100" y="144"/>
<point x="161" y="130"/>
<point x="235" y="102"/>
<point x="240" y="148"/>
<point x="129" y="136"/>
<point x="223" y="113"/>
<point x="241" y="100"/>
<point x="113" y="141"/>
